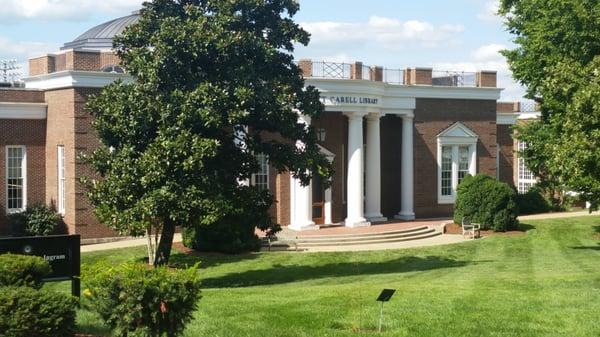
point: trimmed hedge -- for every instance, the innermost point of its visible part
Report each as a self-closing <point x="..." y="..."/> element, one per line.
<point x="28" y="312"/>
<point x="486" y="201"/>
<point x="36" y="220"/>
<point x="224" y="238"/>
<point x="23" y="270"/>
<point x="533" y="202"/>
<point x="136" y="300"/>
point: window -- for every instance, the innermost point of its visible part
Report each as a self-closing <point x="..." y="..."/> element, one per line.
<point x="456" y="158"/>
<point x="16" y="179"/>
<point x="446" y="170"/>
<point x="463" y="162"/>
<point x="61" y="179"/>
<point x="526" y="177"/>
<point x="260" y="179"/>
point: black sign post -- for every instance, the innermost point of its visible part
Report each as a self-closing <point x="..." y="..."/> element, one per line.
<point x="385" y="296"/>
<point x="61" y="251"/>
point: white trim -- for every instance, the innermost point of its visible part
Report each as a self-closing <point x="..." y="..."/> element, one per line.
<point x="390" y="97"/>
<point x="24" y="172"/>
<point x="60" y="179"/>
<point x="509" y="118"/>
<point x="530" y="115"/>
<point x="74" y="78"/>
<point x="10" y="110"/>
<point x="455" y="136"/>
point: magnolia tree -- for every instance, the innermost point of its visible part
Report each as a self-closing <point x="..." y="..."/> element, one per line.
<point x="557" y="57"/>
<point x="210" y="75"/>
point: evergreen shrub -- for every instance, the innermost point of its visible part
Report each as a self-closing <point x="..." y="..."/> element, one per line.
<point x="486" y="201"/>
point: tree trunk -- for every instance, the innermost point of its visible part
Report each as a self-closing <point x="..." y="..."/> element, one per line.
<point x="163" y="251"/>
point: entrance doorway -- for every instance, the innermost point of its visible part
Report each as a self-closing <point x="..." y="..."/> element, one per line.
<point x="318" y="200"/>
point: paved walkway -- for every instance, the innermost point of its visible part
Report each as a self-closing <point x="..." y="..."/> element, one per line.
<point x="557" y="215"/>
<point x="381" y="227"/>
<point x="121" y="244"/>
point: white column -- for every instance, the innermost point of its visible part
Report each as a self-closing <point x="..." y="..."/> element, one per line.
<point x="355" y="184"/>
<point x="407" y="194"/>
<point x="373" y="167"/>
<point x="301" y="207"/>
<point x="301" y="199"/>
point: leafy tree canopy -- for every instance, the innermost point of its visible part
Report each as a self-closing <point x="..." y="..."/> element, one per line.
<point x="215" y="84"/>
<point x="557" y="59"/>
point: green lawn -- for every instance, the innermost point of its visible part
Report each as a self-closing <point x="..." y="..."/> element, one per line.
<point x="544" y="283"/>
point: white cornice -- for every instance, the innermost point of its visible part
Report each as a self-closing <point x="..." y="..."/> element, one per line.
<point x="9" y="110"/>
<point x="387" y="90"/>
<point x="74" y="79"/>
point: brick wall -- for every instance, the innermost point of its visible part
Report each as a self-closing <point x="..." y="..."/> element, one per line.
<point x="336" y="141"/>
<point x="72" y="60"/>
<point x="432" y="116"/>
<point x="29" y="133"/>
<point x="507" y="156"/>
<point x="21" y="95"/>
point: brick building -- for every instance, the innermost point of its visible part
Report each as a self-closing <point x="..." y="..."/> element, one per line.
<point x="400" y="139"/>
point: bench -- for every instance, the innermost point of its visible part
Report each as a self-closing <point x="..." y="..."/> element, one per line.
<point x="473" y="230"/>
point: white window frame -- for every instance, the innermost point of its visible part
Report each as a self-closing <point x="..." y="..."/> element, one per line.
<point x="525" y="178"/>
<point x="60" y="178"/>
<point x="265" y="173"/>
<point x="455" y="136"/>
<point x="24" y="173"/>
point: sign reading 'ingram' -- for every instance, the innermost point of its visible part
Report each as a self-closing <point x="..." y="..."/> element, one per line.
<point x="350" y="100"/>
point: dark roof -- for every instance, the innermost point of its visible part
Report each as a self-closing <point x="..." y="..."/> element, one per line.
<point x="101" y="36"/>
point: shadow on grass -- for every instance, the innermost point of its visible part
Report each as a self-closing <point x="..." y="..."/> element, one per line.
<point x="587" y="247"/>
<point x="280" y="274"/>
<point x="525" y="227"/>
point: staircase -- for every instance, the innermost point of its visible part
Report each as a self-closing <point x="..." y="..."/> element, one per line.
<point x="288" y="241"/>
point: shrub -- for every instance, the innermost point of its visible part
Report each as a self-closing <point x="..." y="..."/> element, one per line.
<point x="36" y="220"/>
<point x="135" y="300"/>
<point x="28" y="312"/>
<point x="486" y="201"/>
<point x="533" y="202"/>
<point x="23" y="270"/>
<point x="224" y="238"/>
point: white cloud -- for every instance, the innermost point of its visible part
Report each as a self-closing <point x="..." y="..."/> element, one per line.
<point x="489" y="12"/>
<point x="386" y="33"/>
<point x="22" y="51"/>
<point x="488" y="57"/>
<point x="15" y="10"/>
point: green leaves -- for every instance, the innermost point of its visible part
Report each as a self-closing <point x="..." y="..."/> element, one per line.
<point x="205" y="71"/>
<point x="557" y="59"/>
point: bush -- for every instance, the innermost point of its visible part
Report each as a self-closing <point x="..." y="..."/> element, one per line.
<point x="533" y="202"/>
<point x="486" y="201"/>
<point x="36" y="220"/>
<point x="28" y="312"/>
<point x="224" y="238"/>
<point x="135" y="300"/>
<point x="23" y="270"/>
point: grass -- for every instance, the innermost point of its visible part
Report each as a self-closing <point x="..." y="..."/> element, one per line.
<point x="544" y="283"/>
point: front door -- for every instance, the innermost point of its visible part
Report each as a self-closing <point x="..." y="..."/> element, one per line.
<point x="318" y="199"/>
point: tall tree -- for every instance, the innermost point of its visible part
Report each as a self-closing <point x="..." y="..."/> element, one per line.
<point x="557" y="59"/>
<point x="215" y="84"/>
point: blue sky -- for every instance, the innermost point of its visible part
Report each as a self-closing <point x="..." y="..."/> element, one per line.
<point x="447" y="35"/>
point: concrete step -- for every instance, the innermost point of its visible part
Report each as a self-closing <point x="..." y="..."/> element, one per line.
<point x="356" y="239"/>
<point x="352" y="235"/>
<point x="361" y="238"/>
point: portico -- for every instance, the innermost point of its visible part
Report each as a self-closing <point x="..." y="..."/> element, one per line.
<point x="363" y="111"/>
